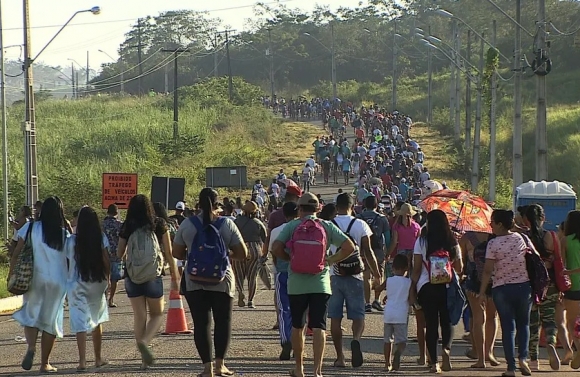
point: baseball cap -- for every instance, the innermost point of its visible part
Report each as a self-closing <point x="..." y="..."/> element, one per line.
<point x="180" y="206"/>
<point x="308" y="199"/>
<point x="294" y="190"/>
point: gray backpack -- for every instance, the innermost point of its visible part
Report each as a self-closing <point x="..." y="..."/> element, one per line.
<point x="144" y="258"/>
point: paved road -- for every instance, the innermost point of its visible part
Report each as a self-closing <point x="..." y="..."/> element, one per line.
<point x="253" y="353"/>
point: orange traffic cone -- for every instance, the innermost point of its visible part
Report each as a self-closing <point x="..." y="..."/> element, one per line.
<point x="176" y="323"/>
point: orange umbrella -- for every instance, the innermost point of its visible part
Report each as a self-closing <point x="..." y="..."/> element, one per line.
<point x="465" y="211"/>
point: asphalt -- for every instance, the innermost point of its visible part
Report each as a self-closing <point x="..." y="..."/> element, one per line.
<point x="253" y="351"/>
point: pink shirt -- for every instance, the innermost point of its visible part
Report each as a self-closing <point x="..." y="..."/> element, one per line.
<point x="509" y="254"/>
<point x="407" y="235"/>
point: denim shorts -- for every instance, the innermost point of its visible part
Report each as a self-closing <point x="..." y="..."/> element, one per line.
<point x="116" y="271"/>
<point x="350" y="291"/>
<point x="151" y="289"/>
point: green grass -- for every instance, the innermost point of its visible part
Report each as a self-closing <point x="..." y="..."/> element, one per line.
<point x="3" y="275"/>
<point x="80" y="140"/>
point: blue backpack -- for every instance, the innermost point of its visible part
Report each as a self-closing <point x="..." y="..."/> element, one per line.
<point x="208" y="260"/>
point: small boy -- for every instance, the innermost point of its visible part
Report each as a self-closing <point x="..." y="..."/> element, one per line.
<point x="396" y="312"/>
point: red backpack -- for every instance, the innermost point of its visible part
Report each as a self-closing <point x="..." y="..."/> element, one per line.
<point x="308" y="248"/>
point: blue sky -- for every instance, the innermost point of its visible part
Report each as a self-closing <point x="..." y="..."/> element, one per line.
<point x="106" y="31"/>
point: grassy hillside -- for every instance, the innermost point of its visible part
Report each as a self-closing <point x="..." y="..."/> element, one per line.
<point x="80" y="140"/>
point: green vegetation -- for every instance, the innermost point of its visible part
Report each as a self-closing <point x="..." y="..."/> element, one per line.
<point x="3" y="274"/>
<point x="80" y="140"/>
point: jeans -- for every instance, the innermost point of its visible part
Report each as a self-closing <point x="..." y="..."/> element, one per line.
<point x="202" y="305"/>
<point x="349" y="291"/>
<point x="513" y="303"/>
<point x="433" y="299"/>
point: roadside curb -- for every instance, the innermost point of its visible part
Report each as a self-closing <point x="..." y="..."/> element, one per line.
<point x="10" y="303"/>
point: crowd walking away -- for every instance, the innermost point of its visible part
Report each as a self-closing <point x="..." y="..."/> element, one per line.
<point x="372" y="248"/>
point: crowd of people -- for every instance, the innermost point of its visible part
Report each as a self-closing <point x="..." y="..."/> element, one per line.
<point x="369" y="249"/>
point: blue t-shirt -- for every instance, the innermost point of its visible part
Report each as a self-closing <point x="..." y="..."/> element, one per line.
<point x="346" y="165"/>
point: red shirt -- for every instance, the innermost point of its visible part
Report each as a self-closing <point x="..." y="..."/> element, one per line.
<point x="360" y="134"/>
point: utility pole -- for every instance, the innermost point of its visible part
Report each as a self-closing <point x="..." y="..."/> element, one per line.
<point x="541" y="128"/>
<point x="468" y="98"/>
<point x="453" y="76"/>
<point x="122" y="74"/>
<point x="5" y="188"/>
<point x="492" y="124"/>
<point x="457" y="85"/>
<point x="477" y="138"/>
<point x="333" y="53"/>
<point x="226" y="33"/>
<point x="140" y="55"/>
<point x="518" y="169"/>
<point x="29" y="126"/>
<point x="77" y="83"/>
<point x="166" y="78"/>
<point x="88" y="70"/>
<point x="215" y="56"/>
<point x="175" y="91"/>
<point x="394" y="94"/>
<point x="429" y="83"/>
<point x="72" y="78"/>
<point x="271" y="56"/>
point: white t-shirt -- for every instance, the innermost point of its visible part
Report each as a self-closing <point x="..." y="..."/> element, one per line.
<point x="274" y="233"/>
<point x="310" y="162"/>
<point x="275" y="189"/>
<point x="359" y="230"/>
<point x="418" y="166"/>
<point x="397" y="307"/>
<point x="423" y="177"/>
<point x="377" y="132"/>
<point x="421" y="249"/>
<point x="307" y="171"/>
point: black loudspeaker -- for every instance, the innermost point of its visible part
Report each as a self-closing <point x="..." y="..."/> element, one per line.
<point x="168" y="191"/>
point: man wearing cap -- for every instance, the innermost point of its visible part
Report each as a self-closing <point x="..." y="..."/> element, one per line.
<point x="178" y="216"/>
<point x="349" y="289"/>
<point x="310" y="293"/>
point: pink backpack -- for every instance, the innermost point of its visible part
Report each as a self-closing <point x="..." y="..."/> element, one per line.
<point x="308" y="248"/>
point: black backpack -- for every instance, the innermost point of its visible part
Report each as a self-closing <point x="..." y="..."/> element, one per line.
<point x="377" y="237"/>
<point x="353" y="265"/>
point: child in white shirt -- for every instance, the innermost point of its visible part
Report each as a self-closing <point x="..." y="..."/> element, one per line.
<point x="396" y="312"/>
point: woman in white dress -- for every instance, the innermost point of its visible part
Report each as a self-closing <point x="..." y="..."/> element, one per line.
<point x="88" y="277"/>
<point x="43" y="305"/>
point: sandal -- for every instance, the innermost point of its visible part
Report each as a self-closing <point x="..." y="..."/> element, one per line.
<point x="146" y="354"/>
<point x="49" y="370"/>
<point x="28" y="360"/>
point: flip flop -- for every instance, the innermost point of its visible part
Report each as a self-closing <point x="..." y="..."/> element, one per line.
<point x="146" y="354"/>
<point x="225" y="374"/>
<point x="112" y="305"/>
<point x="357" y="356"/>
<point x="28" y="360"/>
<point x="103" y="364"/>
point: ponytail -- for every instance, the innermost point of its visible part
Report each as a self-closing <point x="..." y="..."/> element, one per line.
<point x="207" y="201"/>
<point x="535" y="215"/>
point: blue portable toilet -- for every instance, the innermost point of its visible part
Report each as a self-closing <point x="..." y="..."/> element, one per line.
<point x="557" y="199"/>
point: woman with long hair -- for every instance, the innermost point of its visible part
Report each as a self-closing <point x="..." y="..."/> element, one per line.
<point x="432" y="298"/>
<point x="543" y="313"/>
<point x="571" y="257"/>
<point x="505" y="260"/>
<point x="148" y="296"/>
<point x="42" y="309"/>
<point x="483" y="317"/>
<point x="254" y="234"/>
<point x="217" y="299"/>
<point x="88" y="276"/>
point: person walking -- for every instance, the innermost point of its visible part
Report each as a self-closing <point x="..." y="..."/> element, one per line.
<point x="88" y="275"/>
<point x="505" y="259"/>
<point x="308" y="276"/>
<point x="139" y="241"/>
<point x="112" y="228"/>
<point x="254" y="235"/>
<point x="43" y="304"/>
<point x="206" y="296"/>
<point x="436" y="250"/>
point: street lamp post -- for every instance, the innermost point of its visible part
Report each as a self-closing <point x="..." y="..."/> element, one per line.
<point x="121" y="81"/>
<point x="29" y="126"/>
<point x="4" y="134"/>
